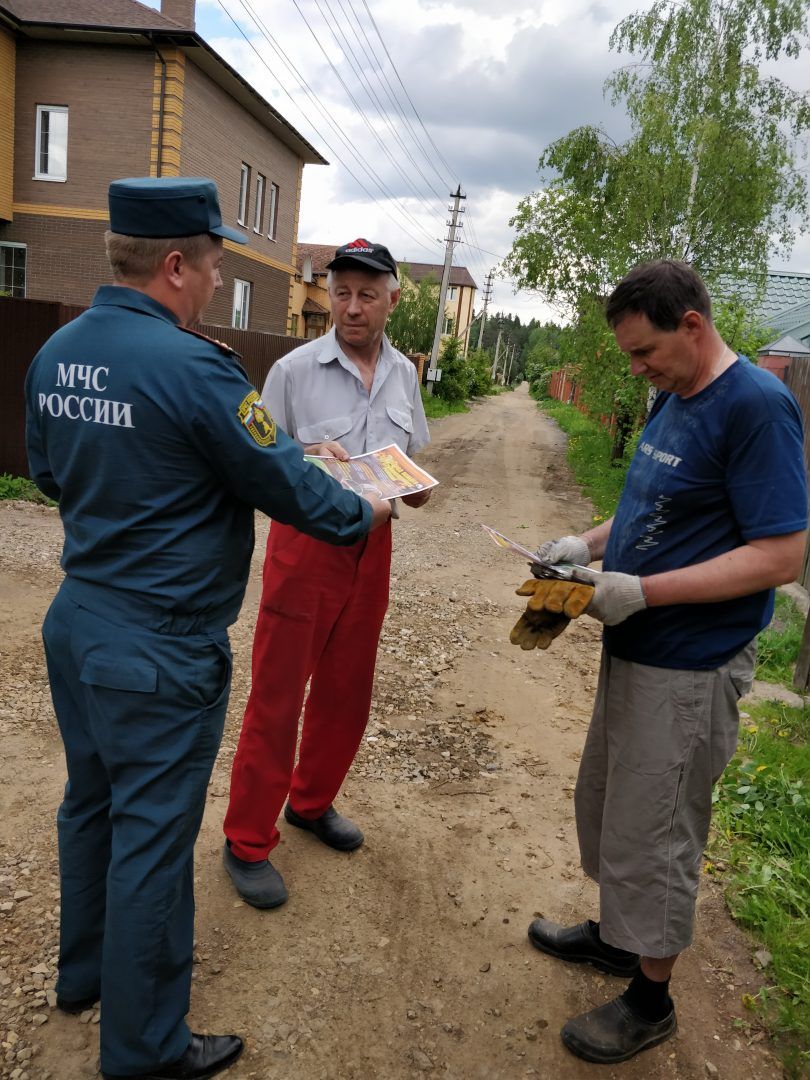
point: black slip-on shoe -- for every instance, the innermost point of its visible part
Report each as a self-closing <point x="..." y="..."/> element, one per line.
<point x="614" y="1033"/>
<point x="258" y="883"/>
<point x="582" y="945"/>
<point x="331" y="828"/>
<point x="205" y="1056"/>
<point x="76" y="1005"/>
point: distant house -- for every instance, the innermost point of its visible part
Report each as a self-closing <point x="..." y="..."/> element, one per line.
<point x="92" y="90"/>
<point x="785" y="309"/>
<point x="460" y="297"/>
<point x="310" y="305"/>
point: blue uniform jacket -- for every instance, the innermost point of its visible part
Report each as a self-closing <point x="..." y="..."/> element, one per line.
<point x="158" y="448"/>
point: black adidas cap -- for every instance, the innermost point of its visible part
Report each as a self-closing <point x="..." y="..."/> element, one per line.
<point x="373" y="256"/>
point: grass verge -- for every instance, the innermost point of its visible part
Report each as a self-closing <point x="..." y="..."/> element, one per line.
<point x="589" y="445"/>
<point x="20" y="487"/>
<point x="778" y="645"/>
<point x="436" y="406"/>
<point x="760" y="851"/>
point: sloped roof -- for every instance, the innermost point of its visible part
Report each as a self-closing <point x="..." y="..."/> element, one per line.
<point x="121" y="14"/>
<point x="784" y="290"/>
<point x="320" y="254"/>
<point x="459" y="275"/>
<point x="785" y="346"/>
<point x="312" y="307"/>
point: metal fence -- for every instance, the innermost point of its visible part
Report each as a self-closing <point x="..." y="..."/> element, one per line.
<point x="25" y="326"/>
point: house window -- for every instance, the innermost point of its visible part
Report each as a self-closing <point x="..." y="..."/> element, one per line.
<point x="12" y="270"/>
<point x="452" y="292"/>
<point x="448" y="326"/>
<point x="272" y="220"/>
<point x="50" y="162"/>
<point x="258" y="212"/>
<point x="244" y="185"/>
<point x="293" y="326"/>
<point x="241" y="304"/>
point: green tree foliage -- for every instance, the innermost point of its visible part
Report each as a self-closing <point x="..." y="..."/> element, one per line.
<point x="412" y="323"/>
<point x="708" y="174"/>
<point x="455" y="381"/>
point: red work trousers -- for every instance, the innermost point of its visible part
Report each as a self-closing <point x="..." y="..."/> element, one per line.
<point x="320" y="617"/>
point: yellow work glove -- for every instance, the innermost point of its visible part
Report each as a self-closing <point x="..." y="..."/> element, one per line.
<point x="552" y="605"/>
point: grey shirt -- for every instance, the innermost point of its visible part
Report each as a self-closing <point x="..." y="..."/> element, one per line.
<point x="315" y="394"/>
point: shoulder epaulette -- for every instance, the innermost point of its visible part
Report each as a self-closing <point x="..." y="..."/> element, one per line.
<point x="221" y="345"/>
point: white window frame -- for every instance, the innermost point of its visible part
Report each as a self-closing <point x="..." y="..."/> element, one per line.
<point x="244" y="185"/>
<point x="258" y="212"/>
<point x="452" y="292"/>
<point x="57" y="178"/>
<point x="241" y="304"/>
<point x="448" y="326"/>
<point x="23" y="247"/>
<point x="272" y="220"/>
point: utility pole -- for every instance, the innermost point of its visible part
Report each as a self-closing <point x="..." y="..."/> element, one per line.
<point x="511" y="358"/>
<point x="497" y="352"/>
<point x="487" y="298"/>
<point x="453" y="224"/>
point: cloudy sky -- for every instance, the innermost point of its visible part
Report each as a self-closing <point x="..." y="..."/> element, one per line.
<point x="490" y="83"/>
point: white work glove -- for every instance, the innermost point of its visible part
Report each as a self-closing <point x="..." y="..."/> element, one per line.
<point x="616" y="597"/>
<point x="570" y="549"/>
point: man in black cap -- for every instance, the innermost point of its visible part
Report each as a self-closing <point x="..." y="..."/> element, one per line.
<point x="157" y="449"/>
<point x="322" y="610"/>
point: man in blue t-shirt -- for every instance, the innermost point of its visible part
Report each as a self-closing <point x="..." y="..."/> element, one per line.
<point x="711" y="519"/>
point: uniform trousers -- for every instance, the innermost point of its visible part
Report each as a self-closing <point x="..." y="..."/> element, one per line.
<point x="320" y="618"/>
<point x="658" y="741"/>
<point x="141" y="714"/>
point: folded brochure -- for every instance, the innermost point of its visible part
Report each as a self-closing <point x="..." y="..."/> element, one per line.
<point x="388" y="472"/>
<point x="568" y="571"/>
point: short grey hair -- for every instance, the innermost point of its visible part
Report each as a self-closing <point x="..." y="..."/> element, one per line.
<point x="137" y="258"/>
<point x="390" y="281"/>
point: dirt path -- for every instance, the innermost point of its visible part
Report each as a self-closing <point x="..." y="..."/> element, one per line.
<point x="409" y="957"/>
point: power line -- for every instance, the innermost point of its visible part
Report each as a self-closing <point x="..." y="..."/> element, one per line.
<point x="343" y="83"/>
<point x="407" y="95"/>
<point x="353" y="149"/>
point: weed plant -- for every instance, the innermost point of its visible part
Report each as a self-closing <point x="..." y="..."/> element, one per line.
<point x="436" y="406"/>
<point x="19" y="487"/>
<point x="778" y="645"/>
<point x="761" y="850"/>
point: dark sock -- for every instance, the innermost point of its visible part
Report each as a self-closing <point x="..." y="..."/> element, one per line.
<point x="648" y="999"/>
<point x="611" y="950"/>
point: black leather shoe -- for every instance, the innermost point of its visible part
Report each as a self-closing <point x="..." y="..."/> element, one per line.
<point x="205" y="1056"/>
<point x="331" y="828"/>
<point x="614" y="1032"/>
<point x="582" y="945"/>
<point x="258" y="883"/>
<point x="77" y="1005"/>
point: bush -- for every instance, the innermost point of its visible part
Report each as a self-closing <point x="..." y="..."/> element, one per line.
<point x="455" y="381"/>
<point x="20" y="487"/>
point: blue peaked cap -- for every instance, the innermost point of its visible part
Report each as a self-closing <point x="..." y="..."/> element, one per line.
<point x="168" y="206"/>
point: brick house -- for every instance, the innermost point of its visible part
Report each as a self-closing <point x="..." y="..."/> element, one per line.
<point x="93" y="90"/>
<point x="310" y="306"/>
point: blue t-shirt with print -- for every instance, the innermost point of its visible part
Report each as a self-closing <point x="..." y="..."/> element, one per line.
<point x="711" y="473"/>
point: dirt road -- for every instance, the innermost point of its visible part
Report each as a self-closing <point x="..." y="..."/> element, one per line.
<point x="409" y="957"/>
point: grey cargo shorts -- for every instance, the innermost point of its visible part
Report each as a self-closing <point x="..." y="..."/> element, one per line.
<point x="658" y="740"/>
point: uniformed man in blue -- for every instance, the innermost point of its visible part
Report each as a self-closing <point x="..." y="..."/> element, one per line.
<point x="157" y="449"/>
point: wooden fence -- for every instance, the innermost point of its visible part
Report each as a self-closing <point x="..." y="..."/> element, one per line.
<point x="25" y="326"/>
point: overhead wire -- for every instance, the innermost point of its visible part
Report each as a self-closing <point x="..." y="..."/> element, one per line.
<point x="432" y="242"/>
<point x="341" y="80"/>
